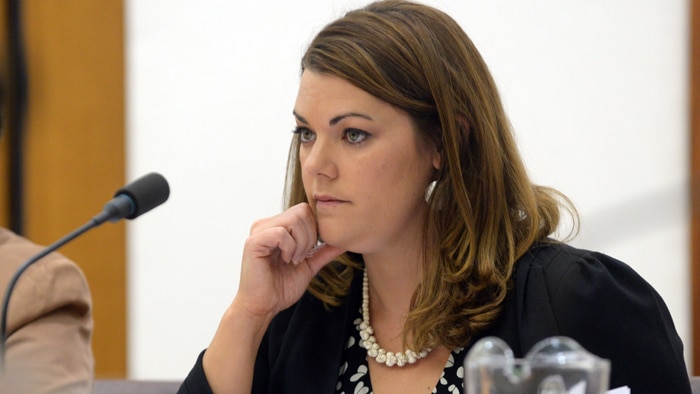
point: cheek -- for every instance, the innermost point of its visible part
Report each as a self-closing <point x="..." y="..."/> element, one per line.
<point x="405" y="175"/>
<point x="390" y="188"/>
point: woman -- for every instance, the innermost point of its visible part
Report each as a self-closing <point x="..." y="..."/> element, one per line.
<point x="433" y="236"/>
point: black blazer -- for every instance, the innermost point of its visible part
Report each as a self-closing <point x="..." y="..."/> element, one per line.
<point x="598" y="301"/>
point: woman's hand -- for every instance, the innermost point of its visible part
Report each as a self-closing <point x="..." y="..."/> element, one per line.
<point x="280" y="257"/>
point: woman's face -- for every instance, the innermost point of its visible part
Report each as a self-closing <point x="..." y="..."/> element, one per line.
<point x="363" y="169"/>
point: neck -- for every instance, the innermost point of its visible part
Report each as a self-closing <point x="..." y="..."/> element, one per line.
<point x="392" y="282"/>
<point x="369" y="338"/>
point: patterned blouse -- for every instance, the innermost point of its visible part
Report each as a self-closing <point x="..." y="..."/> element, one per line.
<point x="353" y="377"/>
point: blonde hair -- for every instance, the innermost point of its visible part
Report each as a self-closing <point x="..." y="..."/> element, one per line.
<point x="484" y="211"/>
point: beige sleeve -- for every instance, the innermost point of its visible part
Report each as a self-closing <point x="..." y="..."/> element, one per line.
<point x="49" y="330"/>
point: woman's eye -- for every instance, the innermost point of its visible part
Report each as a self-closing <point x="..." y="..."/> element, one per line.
<point x="305" y="135"/>
<point x="355" y="136"/>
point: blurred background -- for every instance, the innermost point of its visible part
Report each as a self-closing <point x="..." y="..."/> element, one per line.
<point x="100" y="92"/>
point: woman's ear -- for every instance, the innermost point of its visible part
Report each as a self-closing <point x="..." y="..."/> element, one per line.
<point x="437" y="158"/>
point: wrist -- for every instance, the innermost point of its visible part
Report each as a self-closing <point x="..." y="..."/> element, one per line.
<point x="244" y="311"/>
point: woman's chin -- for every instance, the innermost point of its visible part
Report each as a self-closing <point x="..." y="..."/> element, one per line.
<point x="329" y="238"/>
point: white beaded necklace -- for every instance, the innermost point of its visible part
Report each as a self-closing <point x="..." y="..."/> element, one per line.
<point x="369" y="342"/>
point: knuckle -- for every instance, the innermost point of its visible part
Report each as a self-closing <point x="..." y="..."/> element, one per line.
<point x="257" y="225"/>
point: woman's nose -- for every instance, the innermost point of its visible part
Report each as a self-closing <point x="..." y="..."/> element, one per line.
<point x="319" y="159"/>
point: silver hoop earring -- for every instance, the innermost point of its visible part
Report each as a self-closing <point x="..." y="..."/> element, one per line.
<point x="429" y="190"/>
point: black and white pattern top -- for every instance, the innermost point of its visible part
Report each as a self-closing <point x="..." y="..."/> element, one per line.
<point x="353" y="376"/>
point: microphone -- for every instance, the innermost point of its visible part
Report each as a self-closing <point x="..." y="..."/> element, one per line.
<point x="135" y="199"/>
<point x="130" y="202"/>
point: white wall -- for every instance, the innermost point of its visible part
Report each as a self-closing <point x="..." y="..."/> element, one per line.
<point x="596" y="92"/>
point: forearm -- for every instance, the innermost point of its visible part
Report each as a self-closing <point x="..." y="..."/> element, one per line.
<point x="230" y="358"/>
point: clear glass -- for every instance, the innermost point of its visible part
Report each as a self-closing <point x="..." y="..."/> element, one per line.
<point x="556" y="365"/>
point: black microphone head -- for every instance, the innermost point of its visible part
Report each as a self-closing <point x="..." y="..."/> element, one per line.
<point x="145" y="193"/>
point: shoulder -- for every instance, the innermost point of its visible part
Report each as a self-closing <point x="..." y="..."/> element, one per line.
<point x="52" y="283"/>
<point x="578" y="283"/>
<point x="563" y="268"/>
<point x="49" y="318"/>
<point x="606" y="306"/>
<point x="556" y="258"/>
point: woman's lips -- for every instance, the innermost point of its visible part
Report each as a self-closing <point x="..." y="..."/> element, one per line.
<point x="323" y="201"/>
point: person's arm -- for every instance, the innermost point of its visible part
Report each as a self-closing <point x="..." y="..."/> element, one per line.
<point x="49" y="329"/>
<point x="277" y="267"/>
<point x="230" y="358"/>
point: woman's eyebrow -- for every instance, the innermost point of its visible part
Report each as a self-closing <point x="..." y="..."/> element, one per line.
<point x="299" y="117"/>
<point x="336" y="119"/>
